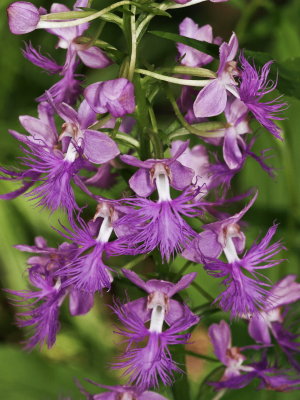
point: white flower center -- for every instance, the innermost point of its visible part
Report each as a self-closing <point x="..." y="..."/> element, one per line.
<point x="105" y="230"/>
<point x="71" y="153"/>
<point x="230" y="250"/>
<point x="158" y="302"/>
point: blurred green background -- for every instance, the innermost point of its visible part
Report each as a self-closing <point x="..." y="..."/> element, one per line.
<point x="85" y="344"/>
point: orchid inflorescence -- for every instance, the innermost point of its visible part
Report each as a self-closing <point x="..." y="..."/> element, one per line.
<point x="178" y="189"/>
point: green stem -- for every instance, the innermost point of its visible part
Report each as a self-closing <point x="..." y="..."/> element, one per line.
<point x="220" y="394"/>
<point x="180" y="69"/>
<point x="135" y="261"/>
<point x="184" y="268"/>
<point x="177" y="81"/>
<point x="128" y="140"/>
<point x="154" y="136"/>
<point x="132" y="61"/>
<point x="116" y="127"/>
<point x="142" y="117"/>
<point x="202" y="291"/>
<point x="187" y="126"/>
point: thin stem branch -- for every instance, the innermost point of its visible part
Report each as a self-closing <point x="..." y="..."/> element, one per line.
<point x="186" y="125"/>
<point x="49" y="20"/>
<point x="135" y="261"/>
<point x="133" y="44"/>
<point x="177" y="81"/>
<point x="202" y="291"/>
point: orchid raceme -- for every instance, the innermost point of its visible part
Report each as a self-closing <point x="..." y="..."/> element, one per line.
<point x="145" y="160"/>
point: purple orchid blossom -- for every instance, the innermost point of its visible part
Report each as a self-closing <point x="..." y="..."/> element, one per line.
<point x="114" y="96"/>
<point x="196" y="159"/>
<point x="145" y="365"/>
<point x="55" y="169"/>
<point x="254" y="86"/>
<point x="143" y="181"/>
<point x="245" y="295"/>
<point x="212" y="99"/>
<point x="87" y="272"/>
<point x="189" y="56"/>
<point x="91" y="56"/>
<point x="159" y="223"/>
<point x="270" y="320"/>
<point x="42" y="130"/>
<point x="121" y="393"/>
<point x="42" y="305"/>
<point x="68" y="88"/>
<point x="237" y="375"/>
<point x="236" y="116"/>
<point x="217" y="236"/>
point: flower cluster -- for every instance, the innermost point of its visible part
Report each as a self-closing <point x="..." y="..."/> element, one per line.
<point x="88" y="137"/>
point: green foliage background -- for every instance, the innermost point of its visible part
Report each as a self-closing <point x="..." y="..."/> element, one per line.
<point x="85" y="344"/>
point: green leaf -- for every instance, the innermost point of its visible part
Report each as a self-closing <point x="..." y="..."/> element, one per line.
<point x="152" y="10"/>
<point x="181" y="387"/>
<point x="207" y="48"/>
<point x="207" y="392"/>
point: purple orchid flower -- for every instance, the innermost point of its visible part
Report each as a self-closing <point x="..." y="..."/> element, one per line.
<point x="159" y="223"/>
<point x="254" y="86"/>
<point x="42" y="130"/>
<point x="43" y="304"/>
<point x="143" y="181"/>
<point x="68" y="88"/>
<point x="189" y="56"/>
<point x="245" y="295"/>
<point x="270" y="320"/>
<point x="212" y="99"/>
<point x="219" y="236"/>
<point x="91" y="56"/>
<point x="237" y="375"/>
<point x="236" y="116"/>
<point x="121" y="393"/>
<point x="145" y="365"/>
<point x="87" y="272"/>
<point x="55" y="169"/>
<point x="196" y="159"/>
<point x="114" y="96"/>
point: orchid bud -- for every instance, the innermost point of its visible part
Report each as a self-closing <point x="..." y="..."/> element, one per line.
<point x="23" y="17"/>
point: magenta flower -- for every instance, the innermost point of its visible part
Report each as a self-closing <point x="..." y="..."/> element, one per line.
<point x="245" y="294"/>
<point x="271" y="319"/>
<point x="55" y="169"/>
<point x="23" y="17"/>
<point x="212" y="99"/>
<point x="238" y="375"/>
<point x="254" y="86"/>
<point x="115" y="96"/>
<point x="159" y="224"/>
<point x="91" y="56"/>
<point x="121" y="393"/>
<point x="189" y="56"/>
<point x="42" y="304"/>
<point x="145" y="365"/>
<point x="217" y="236"/>
<point x="197" y="160"/>
<point x="142" y="182"/>
<point x="87" y="271"/>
